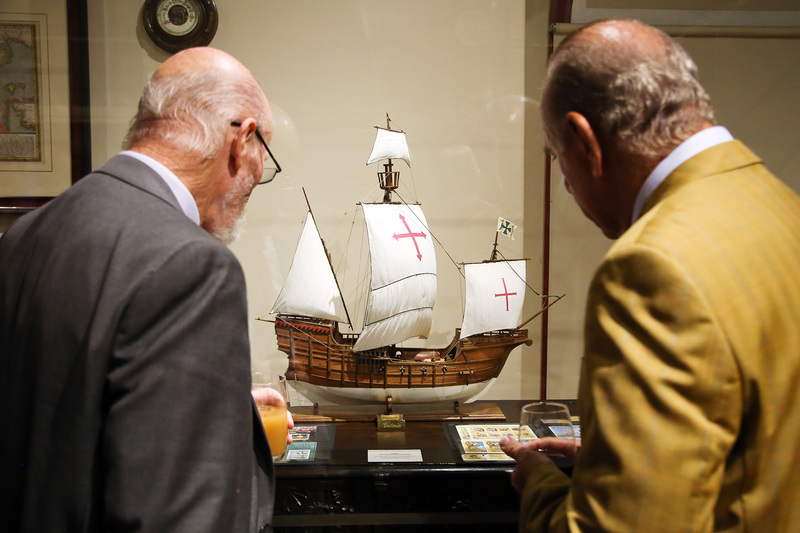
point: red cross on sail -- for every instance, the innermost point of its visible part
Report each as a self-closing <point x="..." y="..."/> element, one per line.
<point x="506" y="293"/>
<point x="410" y="234"/>
<point x="403" y="279"/>
<point x="485" y="308"/>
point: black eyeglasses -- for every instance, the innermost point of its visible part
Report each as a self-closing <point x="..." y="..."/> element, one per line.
<point x="269" y="172"/>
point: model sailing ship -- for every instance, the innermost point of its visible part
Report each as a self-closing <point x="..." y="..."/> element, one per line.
<point x="371" y="366"/>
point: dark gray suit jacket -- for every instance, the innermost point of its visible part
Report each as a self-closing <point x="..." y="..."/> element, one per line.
<point x="125" y="368"/>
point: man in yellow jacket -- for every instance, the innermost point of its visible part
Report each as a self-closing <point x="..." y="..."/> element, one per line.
<point x="690" y="386"/>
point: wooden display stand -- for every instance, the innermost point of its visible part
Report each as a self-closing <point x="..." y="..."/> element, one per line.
<point x="443" y="411"/>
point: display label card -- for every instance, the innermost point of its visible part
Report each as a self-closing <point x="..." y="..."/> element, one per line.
<point x="394" y="456"/>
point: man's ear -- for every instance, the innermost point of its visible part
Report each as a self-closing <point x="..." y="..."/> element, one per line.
<point x="587" y="141"/>
<point x="239" y="144"/>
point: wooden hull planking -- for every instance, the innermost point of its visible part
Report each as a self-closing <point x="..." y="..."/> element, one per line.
<point x="320" y="355"/>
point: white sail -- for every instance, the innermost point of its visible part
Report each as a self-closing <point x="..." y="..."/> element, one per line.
<point x="311" y="288"/>
<point x="495" y="294"/>
<point x="389" y="144"/>
<point x="403" y="284"/>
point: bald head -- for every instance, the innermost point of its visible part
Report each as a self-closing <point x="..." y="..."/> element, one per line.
<point x="185" y="122"/>
<point x="190" y="100"/>
<point x="618" y="97"/>
<point x="202" y="59"/>
<point x="628" y="38"/>
<point x="636" y="86"/>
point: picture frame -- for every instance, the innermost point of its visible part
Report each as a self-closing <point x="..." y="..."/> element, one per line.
<point x="69" y="160"/>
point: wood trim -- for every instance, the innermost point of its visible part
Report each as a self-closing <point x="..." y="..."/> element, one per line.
<point x="560" y="11"/>
<point x="80" y="128"/>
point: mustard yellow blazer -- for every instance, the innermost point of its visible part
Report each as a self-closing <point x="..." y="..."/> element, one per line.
<point x="690" y="383"/>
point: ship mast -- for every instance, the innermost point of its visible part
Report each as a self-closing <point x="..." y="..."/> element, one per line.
<point x="328" y="255"/>
<point x="388" y="179"/>
<point x="493" y="255"/>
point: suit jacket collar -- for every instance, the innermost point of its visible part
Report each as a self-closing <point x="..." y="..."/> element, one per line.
<point x="137" y="174"/>
<point x="716" y="160"/>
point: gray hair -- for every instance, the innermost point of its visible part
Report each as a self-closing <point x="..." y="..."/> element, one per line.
<point x="646" y="102"/>
<point x="193" y="110"/>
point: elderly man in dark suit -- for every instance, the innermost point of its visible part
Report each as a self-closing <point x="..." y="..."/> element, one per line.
<point x="124" y="353"/>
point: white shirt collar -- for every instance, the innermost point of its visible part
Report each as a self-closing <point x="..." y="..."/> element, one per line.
<point x="699" y="142"/>
<point x="182" y="194"/>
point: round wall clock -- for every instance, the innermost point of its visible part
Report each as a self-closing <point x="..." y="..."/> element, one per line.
<point x="177" y="24"/>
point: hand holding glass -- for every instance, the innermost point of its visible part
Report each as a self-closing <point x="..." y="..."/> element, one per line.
<point x="269" y="393"/>
<point x="546" y="419"/>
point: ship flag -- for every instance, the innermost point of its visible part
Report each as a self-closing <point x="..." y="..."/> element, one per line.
<point x="506" y="227"/>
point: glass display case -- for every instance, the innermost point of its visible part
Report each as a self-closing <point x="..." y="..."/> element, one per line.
<point x="461" y="79"/>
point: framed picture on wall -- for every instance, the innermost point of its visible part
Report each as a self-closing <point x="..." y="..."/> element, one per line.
<point x="44" y="126"/>
<point x="720" y="13"/>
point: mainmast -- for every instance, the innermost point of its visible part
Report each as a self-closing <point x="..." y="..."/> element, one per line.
<point x="389" y="144"/>
<point x="388" y="179"/>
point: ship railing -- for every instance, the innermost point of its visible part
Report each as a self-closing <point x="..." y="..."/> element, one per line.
<point x="503" y="333"/>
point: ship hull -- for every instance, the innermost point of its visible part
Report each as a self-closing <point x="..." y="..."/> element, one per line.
<point x="417" y="395"/>
<point x="322" y="357"/>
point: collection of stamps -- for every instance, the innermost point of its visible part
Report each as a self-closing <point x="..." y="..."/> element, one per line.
<point x="482" y="442"/>
<point x="303" y="446"/>
<point x="477" y="442"/>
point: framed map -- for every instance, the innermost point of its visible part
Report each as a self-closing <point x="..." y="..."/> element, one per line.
<point x="44" y="145"/>
<point x="20" y="79"/>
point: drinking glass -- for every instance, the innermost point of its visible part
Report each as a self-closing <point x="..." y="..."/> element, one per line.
<point x="272" y="408"/>
<point x="545" y="419"/>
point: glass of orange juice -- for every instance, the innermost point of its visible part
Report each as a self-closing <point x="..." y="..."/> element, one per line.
<point x="269" y="393"/>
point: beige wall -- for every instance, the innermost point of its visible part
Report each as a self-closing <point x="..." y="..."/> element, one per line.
<point x="462" y="78"/>
<point x="450" y="73"/>
<point x="695" y="5"/>
<point x="751" y="13"/>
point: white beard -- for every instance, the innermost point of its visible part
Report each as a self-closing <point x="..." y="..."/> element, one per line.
<point x="233" y="205"/>
<point x="231" y="233"/>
